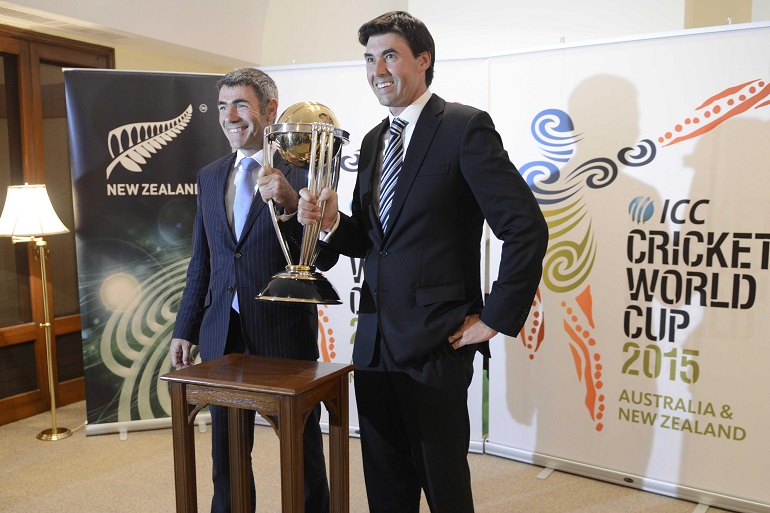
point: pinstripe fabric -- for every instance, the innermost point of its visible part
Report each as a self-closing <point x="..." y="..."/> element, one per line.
<point x="220" y="266"/>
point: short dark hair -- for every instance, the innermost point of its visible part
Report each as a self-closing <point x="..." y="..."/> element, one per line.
<point x="260" y="82"/>
<point x="407" y="26"/>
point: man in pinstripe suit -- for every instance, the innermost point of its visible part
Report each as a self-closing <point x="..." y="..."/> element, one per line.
<point x="218" y="311"/>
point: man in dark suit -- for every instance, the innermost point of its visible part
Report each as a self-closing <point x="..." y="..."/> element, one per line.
<point x="235" y="252"/>
<point x="422" y="314"/>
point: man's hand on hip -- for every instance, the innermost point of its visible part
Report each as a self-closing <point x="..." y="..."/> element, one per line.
<point x="473" y="331"/>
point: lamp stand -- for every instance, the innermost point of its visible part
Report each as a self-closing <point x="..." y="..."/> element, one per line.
<point x="55" y="433"/>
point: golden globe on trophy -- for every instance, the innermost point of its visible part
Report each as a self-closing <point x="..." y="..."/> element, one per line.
<point x="305" y="135"/>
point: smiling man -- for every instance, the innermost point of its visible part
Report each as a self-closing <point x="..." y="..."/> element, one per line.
<point x="235" y="252"/>
<point x="429" y="175"/>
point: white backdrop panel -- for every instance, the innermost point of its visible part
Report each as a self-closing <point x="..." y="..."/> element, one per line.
<point x="665" y="390"/>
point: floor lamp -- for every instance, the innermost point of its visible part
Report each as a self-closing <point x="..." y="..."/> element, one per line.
<point x="27" y="216"/>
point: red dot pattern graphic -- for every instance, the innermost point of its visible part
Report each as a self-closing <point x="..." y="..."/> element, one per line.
<point x="326" y="339"/>
<point x="718" y="107"/>
<point x="592" y="381"/>
<point x="532" y="333"/>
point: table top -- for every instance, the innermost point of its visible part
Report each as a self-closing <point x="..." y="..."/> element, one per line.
<point x="259" y="374"/>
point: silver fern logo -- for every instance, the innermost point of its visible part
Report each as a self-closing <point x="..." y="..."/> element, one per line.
<point x="641" y="209"/>
<point x="133" y="144"/>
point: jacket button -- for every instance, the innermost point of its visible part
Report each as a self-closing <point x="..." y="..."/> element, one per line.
<point x="383" y="253"/>
<point x="229" y="289"/>
<point x="237" y="255"/>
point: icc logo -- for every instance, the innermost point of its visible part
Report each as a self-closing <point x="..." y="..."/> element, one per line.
<point x="641" y="209"/>
<point x="678" y="212"/>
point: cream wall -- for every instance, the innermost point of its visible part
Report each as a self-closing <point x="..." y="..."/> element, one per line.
<point x="214" y="37"/>
<point x="501" y="27"/>
<point x="302" y="31"/>
<point x="198" y="30"/>
<point x="129" y="58"/>
<point x="707" y="13"/>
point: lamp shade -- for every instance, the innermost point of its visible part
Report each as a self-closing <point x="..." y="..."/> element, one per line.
<point x="28" y="212"/>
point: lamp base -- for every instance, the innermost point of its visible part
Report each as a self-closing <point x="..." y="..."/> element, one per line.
<point x="54" y="434"/>
<point x="300" y="284"/>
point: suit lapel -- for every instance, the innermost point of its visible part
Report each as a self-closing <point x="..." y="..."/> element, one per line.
<point x="218" y="186"/>
<point x="256" y="207"/>
<point x="367" y="175"/>
<point x="422" y="137"/>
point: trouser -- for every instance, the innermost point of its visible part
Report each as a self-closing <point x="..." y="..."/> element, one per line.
<point x="415" y="432"/>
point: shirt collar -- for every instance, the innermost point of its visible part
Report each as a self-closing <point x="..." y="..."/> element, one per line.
<point x="413" y="111"/>
<point x="257" y="156"/>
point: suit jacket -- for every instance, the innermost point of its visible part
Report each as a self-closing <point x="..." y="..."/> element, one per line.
<point x="423" y="277"/>
<point x="220" y="264"/>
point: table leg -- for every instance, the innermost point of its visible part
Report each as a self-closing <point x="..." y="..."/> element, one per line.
<point x="184" y="451"/>
<point x="240" y="487"/>
<point x="292" y="459"/>
<point x="339" y="484"/>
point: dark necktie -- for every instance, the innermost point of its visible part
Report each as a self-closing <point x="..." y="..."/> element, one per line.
<point x="391" y="167"/>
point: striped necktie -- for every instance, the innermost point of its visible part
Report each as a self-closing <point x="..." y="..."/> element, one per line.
<point x="391" y="167"/>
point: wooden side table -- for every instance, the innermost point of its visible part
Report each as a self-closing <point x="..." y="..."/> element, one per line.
<point x="284" y="392"/>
